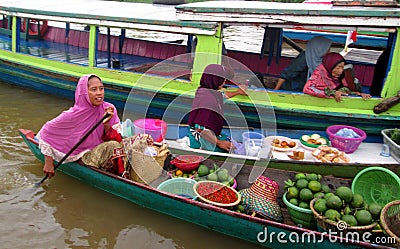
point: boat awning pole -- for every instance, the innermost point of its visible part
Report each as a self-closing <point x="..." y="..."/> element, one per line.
<point x="67" y="29"/>
<point x="122" y="40"/>
<point x="189" y="44"/>
<point x="92" y="46"/>
<point x="208" y="50"/>
<point x="392" y="86"/>
<point x="272" y="43"/>
<point x="108" y="47"/>
<point x="16" y="34"/>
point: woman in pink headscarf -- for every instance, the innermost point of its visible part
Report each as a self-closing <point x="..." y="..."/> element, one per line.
<point x="328" y="80"/>
<point x="59" y="135"/>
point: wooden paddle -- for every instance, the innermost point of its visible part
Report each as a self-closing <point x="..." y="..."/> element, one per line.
<point x="76" y="146"/>
<point x="387" y="104"/>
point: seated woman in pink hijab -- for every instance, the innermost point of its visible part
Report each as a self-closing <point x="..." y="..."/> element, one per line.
<point x="59" y="135"/>
<point x="328" y="81"/>
<point x="206" y="118"/>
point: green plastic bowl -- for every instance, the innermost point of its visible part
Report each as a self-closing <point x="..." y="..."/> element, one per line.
<point x="311" y="146"/>
<point x="300" y="216"/>
<point x="377" y="185"/>
<point x="179" y="186"/>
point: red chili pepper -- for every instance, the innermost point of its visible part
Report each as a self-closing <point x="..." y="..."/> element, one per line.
<point x="217" y="193"/>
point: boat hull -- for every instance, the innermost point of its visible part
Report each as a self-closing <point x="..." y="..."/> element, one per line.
<point x="62" y="83"/>
<point x="260" y="231"/>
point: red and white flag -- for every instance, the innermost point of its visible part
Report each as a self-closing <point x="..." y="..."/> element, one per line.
<point x="351" y="38"/>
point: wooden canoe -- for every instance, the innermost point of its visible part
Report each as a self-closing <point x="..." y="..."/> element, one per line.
<point x="251" y="228"/>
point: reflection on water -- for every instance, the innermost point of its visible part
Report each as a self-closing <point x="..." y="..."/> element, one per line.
<point x="67" y="213"/>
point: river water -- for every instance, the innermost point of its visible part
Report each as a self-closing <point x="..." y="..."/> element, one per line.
<point x="67" y="213"/>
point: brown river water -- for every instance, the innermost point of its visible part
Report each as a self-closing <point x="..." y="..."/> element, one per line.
<point x="67" y="213"/>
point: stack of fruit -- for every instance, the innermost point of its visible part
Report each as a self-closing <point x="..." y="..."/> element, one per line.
<point x="180" y="173"/>
<point x="300" y="191"/>
<point x="304" y="188"/>
<point x="214" y="174"/>
<point x="345" y="206"/>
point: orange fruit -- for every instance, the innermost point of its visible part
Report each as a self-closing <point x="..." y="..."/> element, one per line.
<point x="179" y="172"/>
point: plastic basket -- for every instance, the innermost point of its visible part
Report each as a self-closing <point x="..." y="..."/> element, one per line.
<point x="377" y="185"/>
<point x="300" y="216"/>
<point x="348" y="145"/>
<point x="187" y="163"/>
<point x="394" y="148"/>
<point x="179" y="186"/>
<point x="390" y="220"/>
<point x="324" y="224"/>
<point x="156" y="128"/>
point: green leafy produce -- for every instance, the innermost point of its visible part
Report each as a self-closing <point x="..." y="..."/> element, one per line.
<point x="395" y="136"/>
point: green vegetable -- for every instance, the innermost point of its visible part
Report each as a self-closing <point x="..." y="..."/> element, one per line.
<point x="395" y="136"/>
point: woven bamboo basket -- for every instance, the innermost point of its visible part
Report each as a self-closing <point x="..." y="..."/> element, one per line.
<point x="390" y="220"/>
<point x="340" y="228"/>
<point x="144" y="168"/>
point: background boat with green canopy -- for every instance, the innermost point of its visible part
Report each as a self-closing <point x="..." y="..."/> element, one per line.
<point x="48" y="45"/>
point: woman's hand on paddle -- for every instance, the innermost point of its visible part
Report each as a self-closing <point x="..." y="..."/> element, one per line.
<point x="48" y="168"/>
<point x="109" y="110"/>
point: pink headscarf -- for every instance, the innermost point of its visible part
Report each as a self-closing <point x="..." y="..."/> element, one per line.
<point x="64" y="131"/>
